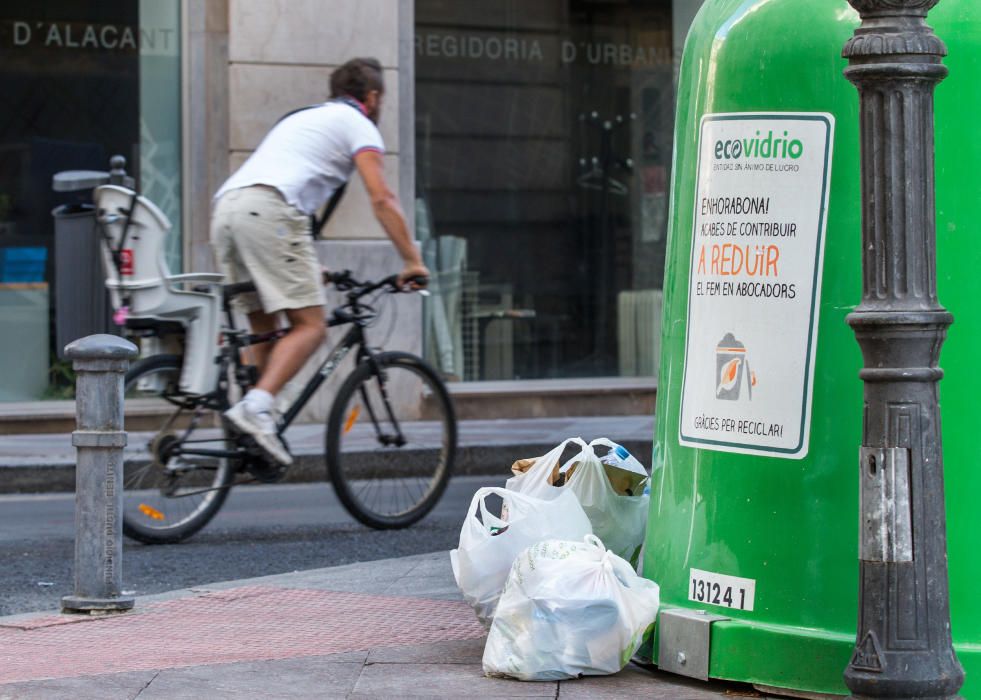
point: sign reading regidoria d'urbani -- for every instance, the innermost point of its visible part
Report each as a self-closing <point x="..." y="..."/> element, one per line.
<point x="531" y="49"/>
<point x="755" y="283"/>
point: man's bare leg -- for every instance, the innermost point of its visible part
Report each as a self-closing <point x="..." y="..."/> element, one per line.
<point x="288" y="355"/>
<point x="254" y="413"/>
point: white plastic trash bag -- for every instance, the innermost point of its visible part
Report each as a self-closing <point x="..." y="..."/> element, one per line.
<point x="537" y="475"/>
<point x="569" y="609"/>
<point x="489" y="545"/>
<point x="615" y="495"/>
<point x="613" y="492"/>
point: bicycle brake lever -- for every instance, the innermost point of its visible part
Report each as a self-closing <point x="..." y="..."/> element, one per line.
<point x="408" y="289"/>
<point x="420" y="282"/>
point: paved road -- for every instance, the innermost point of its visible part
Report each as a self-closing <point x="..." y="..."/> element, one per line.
<point x="261" y="530"/>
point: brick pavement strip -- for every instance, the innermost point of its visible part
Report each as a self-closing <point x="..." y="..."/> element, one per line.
<point x="267" y="639"/>
<point x="249" y="623"/>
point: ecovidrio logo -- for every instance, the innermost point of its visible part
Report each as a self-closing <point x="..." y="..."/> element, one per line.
<point x="766" y="147"/>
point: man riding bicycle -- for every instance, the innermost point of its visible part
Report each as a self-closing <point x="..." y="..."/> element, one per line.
<point x="261" y="229"/>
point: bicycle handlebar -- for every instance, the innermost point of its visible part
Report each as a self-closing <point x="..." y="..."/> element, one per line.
<point x="344" y="281"/>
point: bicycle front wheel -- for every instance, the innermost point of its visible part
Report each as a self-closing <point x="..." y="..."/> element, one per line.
<point x="391" y="441"/>
<point x="169" y="494"/>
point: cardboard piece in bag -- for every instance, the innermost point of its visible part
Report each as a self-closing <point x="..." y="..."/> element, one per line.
<point x="626" y="480"/>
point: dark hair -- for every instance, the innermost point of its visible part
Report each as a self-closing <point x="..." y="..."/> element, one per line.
<point x="357" y="78"/>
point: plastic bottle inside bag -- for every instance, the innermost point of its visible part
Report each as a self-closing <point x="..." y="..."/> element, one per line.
<point x="625" y="472"/>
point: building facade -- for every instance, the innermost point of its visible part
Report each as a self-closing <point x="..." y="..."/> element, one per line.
<point x="529" y="141"/>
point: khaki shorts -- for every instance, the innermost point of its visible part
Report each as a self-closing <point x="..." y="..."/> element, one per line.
<point x="258" y="237"/>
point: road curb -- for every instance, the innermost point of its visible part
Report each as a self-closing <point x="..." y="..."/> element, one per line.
<point x="58" y="475"/>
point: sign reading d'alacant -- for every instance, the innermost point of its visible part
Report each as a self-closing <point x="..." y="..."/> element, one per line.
<point x="755" y="282"/>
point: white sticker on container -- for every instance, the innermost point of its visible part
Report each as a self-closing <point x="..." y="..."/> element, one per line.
<point x="719" y="589"/>
<point x="755" y="282"/>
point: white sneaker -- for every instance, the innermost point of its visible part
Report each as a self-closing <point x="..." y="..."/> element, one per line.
<point x="261" y="426"/>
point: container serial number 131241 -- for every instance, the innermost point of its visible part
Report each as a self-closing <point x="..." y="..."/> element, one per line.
<point x="719" y="589"/>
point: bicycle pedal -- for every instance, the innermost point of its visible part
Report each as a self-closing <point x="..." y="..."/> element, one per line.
<point x="264" y="469"/>
<point x="259" y="464"/>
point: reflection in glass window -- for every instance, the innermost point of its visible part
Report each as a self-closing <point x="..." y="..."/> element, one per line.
<point x="160" y="115"/>
<point x="543" y="145"/>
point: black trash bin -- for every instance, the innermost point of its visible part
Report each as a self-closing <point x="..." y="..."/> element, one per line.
<point x="81" y="299"/>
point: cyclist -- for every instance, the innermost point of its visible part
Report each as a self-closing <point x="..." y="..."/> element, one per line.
<point x="261" y="230"/>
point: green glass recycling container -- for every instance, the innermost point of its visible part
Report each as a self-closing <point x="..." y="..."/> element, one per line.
<point x="754" y="506"/>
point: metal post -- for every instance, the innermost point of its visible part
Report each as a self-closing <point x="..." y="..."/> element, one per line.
<point x="903" y="647"/>
<point x="117" y="173"/>
<point x="100" y="362"/>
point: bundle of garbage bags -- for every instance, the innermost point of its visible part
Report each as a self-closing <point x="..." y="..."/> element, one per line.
<point x="554" y="576"/>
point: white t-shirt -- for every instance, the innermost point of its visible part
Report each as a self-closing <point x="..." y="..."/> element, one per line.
<point x="309" y="154"/>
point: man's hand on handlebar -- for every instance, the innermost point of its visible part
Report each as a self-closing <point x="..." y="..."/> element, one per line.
<point x="415" y="275"/>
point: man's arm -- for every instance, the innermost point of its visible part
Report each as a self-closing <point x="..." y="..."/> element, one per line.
<point x="388" y="212"/>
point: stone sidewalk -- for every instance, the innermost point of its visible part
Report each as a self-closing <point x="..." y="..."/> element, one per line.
<point x="386" y="629"/>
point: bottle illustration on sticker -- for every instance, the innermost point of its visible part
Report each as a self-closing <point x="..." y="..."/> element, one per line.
<point x="731" y="365"/>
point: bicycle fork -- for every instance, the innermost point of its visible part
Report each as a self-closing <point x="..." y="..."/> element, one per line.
<point x="398" y="439"/>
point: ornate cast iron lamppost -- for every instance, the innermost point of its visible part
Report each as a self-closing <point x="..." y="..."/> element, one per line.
<point x="904" y="647"/>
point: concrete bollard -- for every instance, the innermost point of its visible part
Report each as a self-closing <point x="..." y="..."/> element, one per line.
<point x="100" y="362"/>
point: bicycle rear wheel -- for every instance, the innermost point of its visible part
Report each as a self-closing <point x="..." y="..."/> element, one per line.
<point x="168" y="497"/>
<point x="391" y="441"/>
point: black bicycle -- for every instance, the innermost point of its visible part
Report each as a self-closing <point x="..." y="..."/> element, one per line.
<point x="390" y="442"/>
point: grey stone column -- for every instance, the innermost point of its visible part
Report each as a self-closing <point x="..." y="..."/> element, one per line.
<point x="100" y="362"/>
<point x="903" y="647"/>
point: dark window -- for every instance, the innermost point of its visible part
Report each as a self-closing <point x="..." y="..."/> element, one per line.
<point x="543" y="144"/>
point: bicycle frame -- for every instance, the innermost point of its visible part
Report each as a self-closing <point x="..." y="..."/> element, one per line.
<point x="353" y="338"/>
